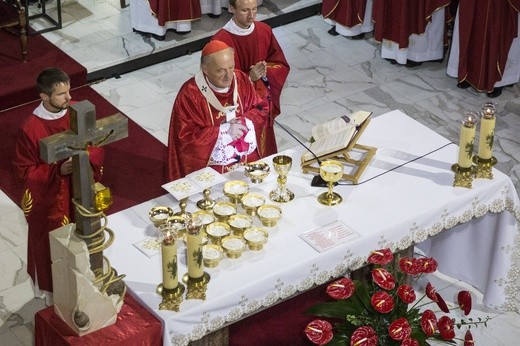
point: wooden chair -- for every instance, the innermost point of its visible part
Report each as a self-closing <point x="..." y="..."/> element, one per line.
<point x="13" y="19"/>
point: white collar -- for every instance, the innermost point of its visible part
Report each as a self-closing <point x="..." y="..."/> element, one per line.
<point x="216" y="88"/>
<point x="233" y="28"/>
<point x="43" y="113"/>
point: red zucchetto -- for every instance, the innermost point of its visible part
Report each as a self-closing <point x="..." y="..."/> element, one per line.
<point x="213" y="46"/>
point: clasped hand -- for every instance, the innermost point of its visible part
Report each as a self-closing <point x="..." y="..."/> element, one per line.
<point x="236" y="129"/>
<point x="258" y="71"/>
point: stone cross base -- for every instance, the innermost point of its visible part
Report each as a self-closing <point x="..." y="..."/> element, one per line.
<point x="77" y="301"/>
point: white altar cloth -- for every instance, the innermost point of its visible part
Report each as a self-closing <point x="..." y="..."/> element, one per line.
<point x="404" y="197"/>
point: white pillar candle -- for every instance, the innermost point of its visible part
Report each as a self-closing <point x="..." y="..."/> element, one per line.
<point x="194" y="254"/>
<point x="467" y="141"/>
<point x="169" y="262"/>
<point x="487" y="134"/>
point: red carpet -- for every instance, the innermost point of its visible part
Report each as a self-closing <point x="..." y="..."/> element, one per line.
<point x="18" y="79"/>
<point x="134" y="169"/>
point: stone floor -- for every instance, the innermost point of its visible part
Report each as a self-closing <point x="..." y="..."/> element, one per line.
<point x="330" y="76"/>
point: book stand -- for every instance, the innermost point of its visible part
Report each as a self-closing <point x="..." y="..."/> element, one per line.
<point x="356" y="166"/>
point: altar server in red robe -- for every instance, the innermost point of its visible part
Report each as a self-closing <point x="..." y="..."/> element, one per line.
<point x="485" y="51"/>
<point x="257" y="53"/>
<point x="47" y="191"/>
<point x="217" y="118"/>
<point x="351" y="18"/>
<point x="168" y="11"/>
<point x="411" y="32"/>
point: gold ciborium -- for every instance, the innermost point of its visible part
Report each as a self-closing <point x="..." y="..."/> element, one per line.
<point x="331" y="171"/>
<point x="282" y="165"/>
<point x="257" y="171"/>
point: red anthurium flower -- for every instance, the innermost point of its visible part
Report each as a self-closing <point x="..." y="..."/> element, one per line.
<point x="400" y="329"/>
<point x="468" y="339"/>
<point x="408" y="266"/>
<point x="383" y="256"/>
<point x="426" y="264"/>
<point x="431" y="292"/>
<point x="382" y="302"/>
<point x="446" y="330"/>
<point x="428" y="322"/>
<point x="319" y="332"/>
<point x="363" y="336"/>
<point x="383" y="278"/>
<point x="341" y="289"/>
<point x="406" y="293"/>
<point x="441" y="303"/>
<point x="410" y="342"/>
<point x="464" y="299"/>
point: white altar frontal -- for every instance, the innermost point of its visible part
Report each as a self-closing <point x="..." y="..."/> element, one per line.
<point x="405" y="197"/>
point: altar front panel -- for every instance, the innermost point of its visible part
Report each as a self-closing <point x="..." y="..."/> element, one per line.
<point x="404" y="197"/>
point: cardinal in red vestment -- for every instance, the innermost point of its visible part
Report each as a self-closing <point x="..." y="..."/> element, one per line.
<point x="217" y="117"/>
<point x="47" y="191"/>
<point x="175" y="10"/>
<point x="257" y="53"/>
<point x="486" y="30"/>
<point x="348" y="13"/>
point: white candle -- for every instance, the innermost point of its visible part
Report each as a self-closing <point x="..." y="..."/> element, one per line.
<point x="487" y="134"/>
<point x="194" y="254"/>
<point x="169" y="262"/>
<point x="467" y="141"/>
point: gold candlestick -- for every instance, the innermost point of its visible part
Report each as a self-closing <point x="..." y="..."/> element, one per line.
<point x="170" y="289"/>
<point x="196" y="279"/>
<point x="331" y="171"/>
<point x="463" y="169"/>
<point x="485" y="159"/>
<point x="282" y="165"/>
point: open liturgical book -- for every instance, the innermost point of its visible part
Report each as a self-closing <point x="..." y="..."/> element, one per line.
<point x="335" y="134"/>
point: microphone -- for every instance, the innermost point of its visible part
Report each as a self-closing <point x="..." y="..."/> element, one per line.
<point x="317" y="180"/>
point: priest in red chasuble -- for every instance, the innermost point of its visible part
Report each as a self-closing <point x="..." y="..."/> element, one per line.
<point x="47" y="192"/>
<point x="485" y="52"/>
<point x="218" y="118"/>
<point x="257" y="53"/>
<point x="352" y="18"/>
<point x="175" y="10"/>
<point x="411" y="32"/>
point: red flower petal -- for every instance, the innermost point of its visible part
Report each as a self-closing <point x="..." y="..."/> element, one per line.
<point x="383" y="278"/>
<point x="341" y="289"/>
<point x="431" y="292"/>
<point x="408" y="266"/>
<point x="426" y="264"/>
<point x="319" y="332"/>
<point x="406" y="293"/>
<point x="446" y="330"/>
<point x="410" y="342"/>
<point x="464" y="299"/>
<point x="441" y="303"/>
<point x="468" y="339"/>
<point x="382" y="302"/>
<point x="428" y="322"/>
<point x="363" y="336"/>
<point x="383" y="256"/>
<point x="399" y="329"/>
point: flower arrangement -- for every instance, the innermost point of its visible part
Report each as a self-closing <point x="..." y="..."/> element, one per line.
<point x="386" y="310"/>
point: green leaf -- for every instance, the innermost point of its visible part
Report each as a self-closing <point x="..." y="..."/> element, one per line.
<point x="337" y="309"/>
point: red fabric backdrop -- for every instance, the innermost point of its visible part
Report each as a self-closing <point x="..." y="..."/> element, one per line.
<point x="18" y="80"/>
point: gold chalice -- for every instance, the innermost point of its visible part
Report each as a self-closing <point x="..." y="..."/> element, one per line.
<point x="331" y="171"/>
<point x="282" y="165"/>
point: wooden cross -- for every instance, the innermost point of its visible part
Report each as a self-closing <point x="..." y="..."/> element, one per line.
<point x="85" y="131"/>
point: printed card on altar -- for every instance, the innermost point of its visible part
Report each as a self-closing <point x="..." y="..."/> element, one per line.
<point x="150" y="246"/>
<point x="194" y="183"/>
<point x="326" y="237"/>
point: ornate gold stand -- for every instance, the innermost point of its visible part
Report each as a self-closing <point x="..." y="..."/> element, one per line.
<point x="197" y="287"/>
<point x="171" y="298"/>
<point x="344" y="156"/>
<point x="207" y="203"/>
<point x="484" y="167"/>
<point x="463" y="176"/>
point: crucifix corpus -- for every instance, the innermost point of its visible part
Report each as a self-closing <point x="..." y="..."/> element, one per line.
<point x="85" y="131"/>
